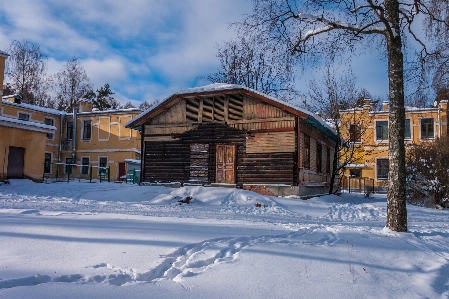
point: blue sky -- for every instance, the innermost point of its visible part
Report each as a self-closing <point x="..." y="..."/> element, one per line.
<point x="145" y="49"/>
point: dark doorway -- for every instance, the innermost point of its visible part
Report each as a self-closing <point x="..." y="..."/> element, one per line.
<point x="121" y="171"/>
<point x="225" y="164"/>
<point x="15" y="162"/>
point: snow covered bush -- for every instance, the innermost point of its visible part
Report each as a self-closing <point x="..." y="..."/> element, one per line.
<point x="428" y="174"/>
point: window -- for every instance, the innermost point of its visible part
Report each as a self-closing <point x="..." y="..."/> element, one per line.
<point x="69" y="131"/>
<point x="427" y="130"/>
<point x="24" y="116"/>
<point x="87" y="130"/>
<point x="328" y="160"/>
<point x="85" y="167"/>
<point x="355" y="173"/>
<point x="355" y="133"/>
<point x="67" y="167"/>
<point x="103" y="163"/>
<point x="382" y="130"/>
<point x="47" y="163"/>
<point x="50" y="122"/>
<point x="408" y="134"/>
<point x="382" y="169"/>
<point x="319" y="156"/>
<point x="306" y="157"/>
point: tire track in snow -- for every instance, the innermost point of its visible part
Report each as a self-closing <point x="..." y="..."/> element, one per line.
<point x="187" y="261"/>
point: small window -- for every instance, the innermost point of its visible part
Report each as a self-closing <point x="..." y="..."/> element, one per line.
<point x="355" y="173"/>
<point x="382" y="169"/>
<point x="87" y="130"/>
<point x="47" y="163"/>
<point x="85" y="167"/>
<point x="69" y="130"/>
<point x="24" y="116"/>
<point x="103" y="163"/>
<point x="381" y="130"/>
<point x="306" y="152"/>
<point x="50" y="122"/>
<point x="408" y="134"/>
<point x="355" y="133"/>
<point x="427" y="128"/>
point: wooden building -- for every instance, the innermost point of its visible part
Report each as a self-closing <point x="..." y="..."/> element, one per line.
<point x="230" y="134"/>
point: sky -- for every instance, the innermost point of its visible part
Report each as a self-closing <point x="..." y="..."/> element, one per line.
<point x="146" y="49"/>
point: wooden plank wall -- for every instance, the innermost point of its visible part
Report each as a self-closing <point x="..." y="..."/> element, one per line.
<point x="271" y="142"/>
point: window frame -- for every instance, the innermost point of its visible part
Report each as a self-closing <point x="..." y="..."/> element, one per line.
<point x="376" y="126"/>
<point x="328" y="160"/>
<point x="410" y="129"/>
<point x="27" y="118"/>
<point x="47" y="166"/>
<point x="357" y="133"/>
<point x="100" y="171"/>
<point x="359" y="171"/>
<point x="85" y="167"/>
<point x="50" y="135"/>
<point x="69" y="131"/>
<point x="85" y="126"/>
<point x="383" y="177"/>
<point x="319" y="157"/>
<point x="421" y="128"/>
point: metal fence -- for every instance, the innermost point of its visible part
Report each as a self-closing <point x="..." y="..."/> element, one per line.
<point x="358" y="185"/>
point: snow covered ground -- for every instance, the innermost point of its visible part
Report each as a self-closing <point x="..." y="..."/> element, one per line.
<point x="82" y="240"/>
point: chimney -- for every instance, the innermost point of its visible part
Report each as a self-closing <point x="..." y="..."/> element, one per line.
<point x="443" y="105"/>
<point x="385" y="106"/>
<point x="3" y="57"/>
<point x="84" y="105"/>
<point x="367" y="104"/>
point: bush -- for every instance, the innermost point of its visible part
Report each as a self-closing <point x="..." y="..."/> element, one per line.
<point x="428" y="174"/>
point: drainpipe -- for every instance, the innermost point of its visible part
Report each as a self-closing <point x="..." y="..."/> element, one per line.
<point x="439" y="121"/>
<point x="60" y="136"/>
<point x="75" y="110"/>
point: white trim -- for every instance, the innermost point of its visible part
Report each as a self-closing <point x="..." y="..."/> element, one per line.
<point x="434" y="129"/>
<point x="81" y="163"/>
<point x="375" y="130"/>
<point x="23" y="113"/>
<point x="51" y="161"/>
<point x="411" y="130"/>
<point x="82" y="131"/>
<point x="109" y="128"/>
<point x="54" y="121"/>
<point x="381" y="158"/>
<point x="120" y="128"/>
<point x="98" y="162"/>
<point x="105" y="150"/>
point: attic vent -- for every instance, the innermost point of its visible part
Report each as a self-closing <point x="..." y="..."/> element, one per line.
<point x="192" y="108"/>
<point x="235" y="108"/>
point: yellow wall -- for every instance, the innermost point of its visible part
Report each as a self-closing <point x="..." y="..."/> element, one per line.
<point x="369" y="149"/>
<point x="34" y="144"/>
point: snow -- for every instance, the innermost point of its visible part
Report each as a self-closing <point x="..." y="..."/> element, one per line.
<point x="110" y="240"/>
<point x="12" y="122"/>
<point x="33" y="107"/>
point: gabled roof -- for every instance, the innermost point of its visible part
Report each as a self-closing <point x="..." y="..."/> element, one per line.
<point x="223" y="88"/>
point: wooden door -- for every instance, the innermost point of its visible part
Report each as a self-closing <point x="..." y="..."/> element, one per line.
<point x="225" y="164"/>
<point x="16" y="162"/>
<point x="121" y="171"/>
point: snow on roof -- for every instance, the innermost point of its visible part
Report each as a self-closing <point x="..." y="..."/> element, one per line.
<point x="23" y="124"/>
<point x="132" y="161"/>
<point x="4" y="54"/>
<point x="225" y="86"/>
<point x="33" y="107"/>
<point x="109" y="111"/>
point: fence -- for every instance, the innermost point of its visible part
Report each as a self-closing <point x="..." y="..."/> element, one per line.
<point x="59" y="172"/>
<point x="357" y="185"/>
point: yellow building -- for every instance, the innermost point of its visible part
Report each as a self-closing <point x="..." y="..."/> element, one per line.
<point x="367" y="132"/>
<point x="37" y="142"/>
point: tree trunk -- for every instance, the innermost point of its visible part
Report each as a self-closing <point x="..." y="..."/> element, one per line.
<point x="396" y="204"/>
<point x="334" y="166"/>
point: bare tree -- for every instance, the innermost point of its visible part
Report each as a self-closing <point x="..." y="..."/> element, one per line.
<point x="257" y="64"/>
<point x="26" y="73"/>
<point x="327" y="97"/>
<point x="71" y="84"/>
<point x="128" y="105"/>
<point x="315" y="29"/>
